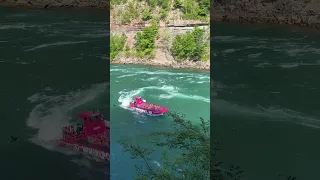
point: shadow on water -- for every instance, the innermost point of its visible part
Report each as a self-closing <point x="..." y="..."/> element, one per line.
<point x="263" y="99"/>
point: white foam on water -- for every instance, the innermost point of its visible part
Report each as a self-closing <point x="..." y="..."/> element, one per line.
<point x="55" y="44"/>
<point x="184" y="96"/>
<point x="127" y="96"/>
<point x="50" y="113"/>
<point x="229" y="50"/>
<point x="139" y="71"/>
<point x="94" y="35"/>
<point x="171" y="92"/>
<point x="271" y="113"/>
<point x="127" y="75"/>
<point x="17" y="15"/>
<point x="156" y="163"/>
<point x="152" y="78"/>
<point x="17" y="26"/>
<point x="293" y="65"/>
<point x="254" y="55"/>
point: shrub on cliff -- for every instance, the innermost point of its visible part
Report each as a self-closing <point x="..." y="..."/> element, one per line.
<point x="116" y="45"/>
<point x="192" y="45"/>
<point x="196" y="9"/>
<point x="116" y="2"/>
<point x="127" y="51"/>
<point x="177" y="4"/>
<point x="131" y="11"/>
<point x="145" y="39"/>
<point x="163" y="4"/>
<point x="146" y="15"/>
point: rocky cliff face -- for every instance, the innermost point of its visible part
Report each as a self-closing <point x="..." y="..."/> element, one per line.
<point x="163" y="56"/>
<point x="299" y="12"/>
<point x="102" y="4"/>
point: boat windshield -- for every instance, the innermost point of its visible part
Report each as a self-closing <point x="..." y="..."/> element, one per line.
<point x="95" y="118"/>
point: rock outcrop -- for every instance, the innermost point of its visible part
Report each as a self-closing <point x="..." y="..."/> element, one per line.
<point x="298" y="12"/>
<point x="101" y="4"/>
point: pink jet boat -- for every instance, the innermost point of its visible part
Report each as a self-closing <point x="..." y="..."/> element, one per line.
<point x="89" y="134"/>
<point x="141" y="105"/>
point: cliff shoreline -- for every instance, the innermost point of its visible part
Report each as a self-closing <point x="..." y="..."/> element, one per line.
<point x="300" y="13"/>
<point x="57" y="4"/>
<point x="163" y="57"/>
<point x="204" y="66"/>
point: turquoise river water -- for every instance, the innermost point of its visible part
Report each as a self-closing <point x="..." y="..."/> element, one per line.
<point x="184" y="91"/>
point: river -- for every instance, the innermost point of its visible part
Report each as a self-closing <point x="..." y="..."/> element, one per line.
<point x="265" y="110"/>
<point x="53" y="64"/>
<point x="183" y="91"/>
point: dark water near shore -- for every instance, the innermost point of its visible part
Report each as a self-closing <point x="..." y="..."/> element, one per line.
<point x="266" y="111"/>
<point x="53" y="64"/>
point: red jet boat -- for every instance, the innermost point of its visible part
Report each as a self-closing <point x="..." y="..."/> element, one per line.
<point x="141" y="105"/>
<point x="89" y="134"/>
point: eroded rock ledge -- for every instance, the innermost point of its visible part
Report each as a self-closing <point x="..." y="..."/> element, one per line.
<point x="297" y="12"/>
<point x="100" y="4"/>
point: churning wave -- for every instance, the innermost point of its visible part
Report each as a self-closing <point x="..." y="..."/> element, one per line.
<point x="270" y="113"/>
<point x="159" y="74"/>
<point x="55" y="44"/>
<point x="169" y="92"/>
<point x="290" y="52"/>
<point x="51" y="113"/>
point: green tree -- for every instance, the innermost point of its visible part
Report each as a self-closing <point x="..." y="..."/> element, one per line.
<point x="195" y="9"/>
<point x="145" y="39"/>
<point x="127" y="50"/>
<point x="183" y="46"/>
<point x="192" y="45"/>
<point x="146" y="15"/>
<point x="116" y="45"/>
<point x="195" y="161"/>
<point x="189" y="139"/>
<point x="130" y="12"/>
<point x="177" y="4"/>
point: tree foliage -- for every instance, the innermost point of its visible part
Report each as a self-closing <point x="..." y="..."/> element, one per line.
<point x="116" y="2"/>
<point x="116" y="45"/>
<point x="195" y="161"/>
<point x="192" y="45"/>
<point x="194" y="9"/>
<point x="145" y="40"/>
<point x="191" y="9"/>
<point x="131" y="11"/>
<point x="189" y="139"/>
<point x="146" y="15"/>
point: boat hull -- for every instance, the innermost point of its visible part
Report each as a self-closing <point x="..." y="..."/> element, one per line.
<point x="89" y="149"/>
<point x="159" y="111"/>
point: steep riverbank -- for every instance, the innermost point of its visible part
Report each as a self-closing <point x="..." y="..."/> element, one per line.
<point x="177" y="43"/>
<point x="99" y="4"/>
<point x="302" y="13"/>
<point x="163" y="57"/>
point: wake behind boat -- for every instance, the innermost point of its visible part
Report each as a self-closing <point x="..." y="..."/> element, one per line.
<point x="89" y="134"/>
<point x="142" y="106"/>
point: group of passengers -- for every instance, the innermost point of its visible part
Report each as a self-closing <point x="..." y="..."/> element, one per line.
<point x="98" y="139"/>
<point x="150" y="106"/>
<point x="68" y="131"/>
